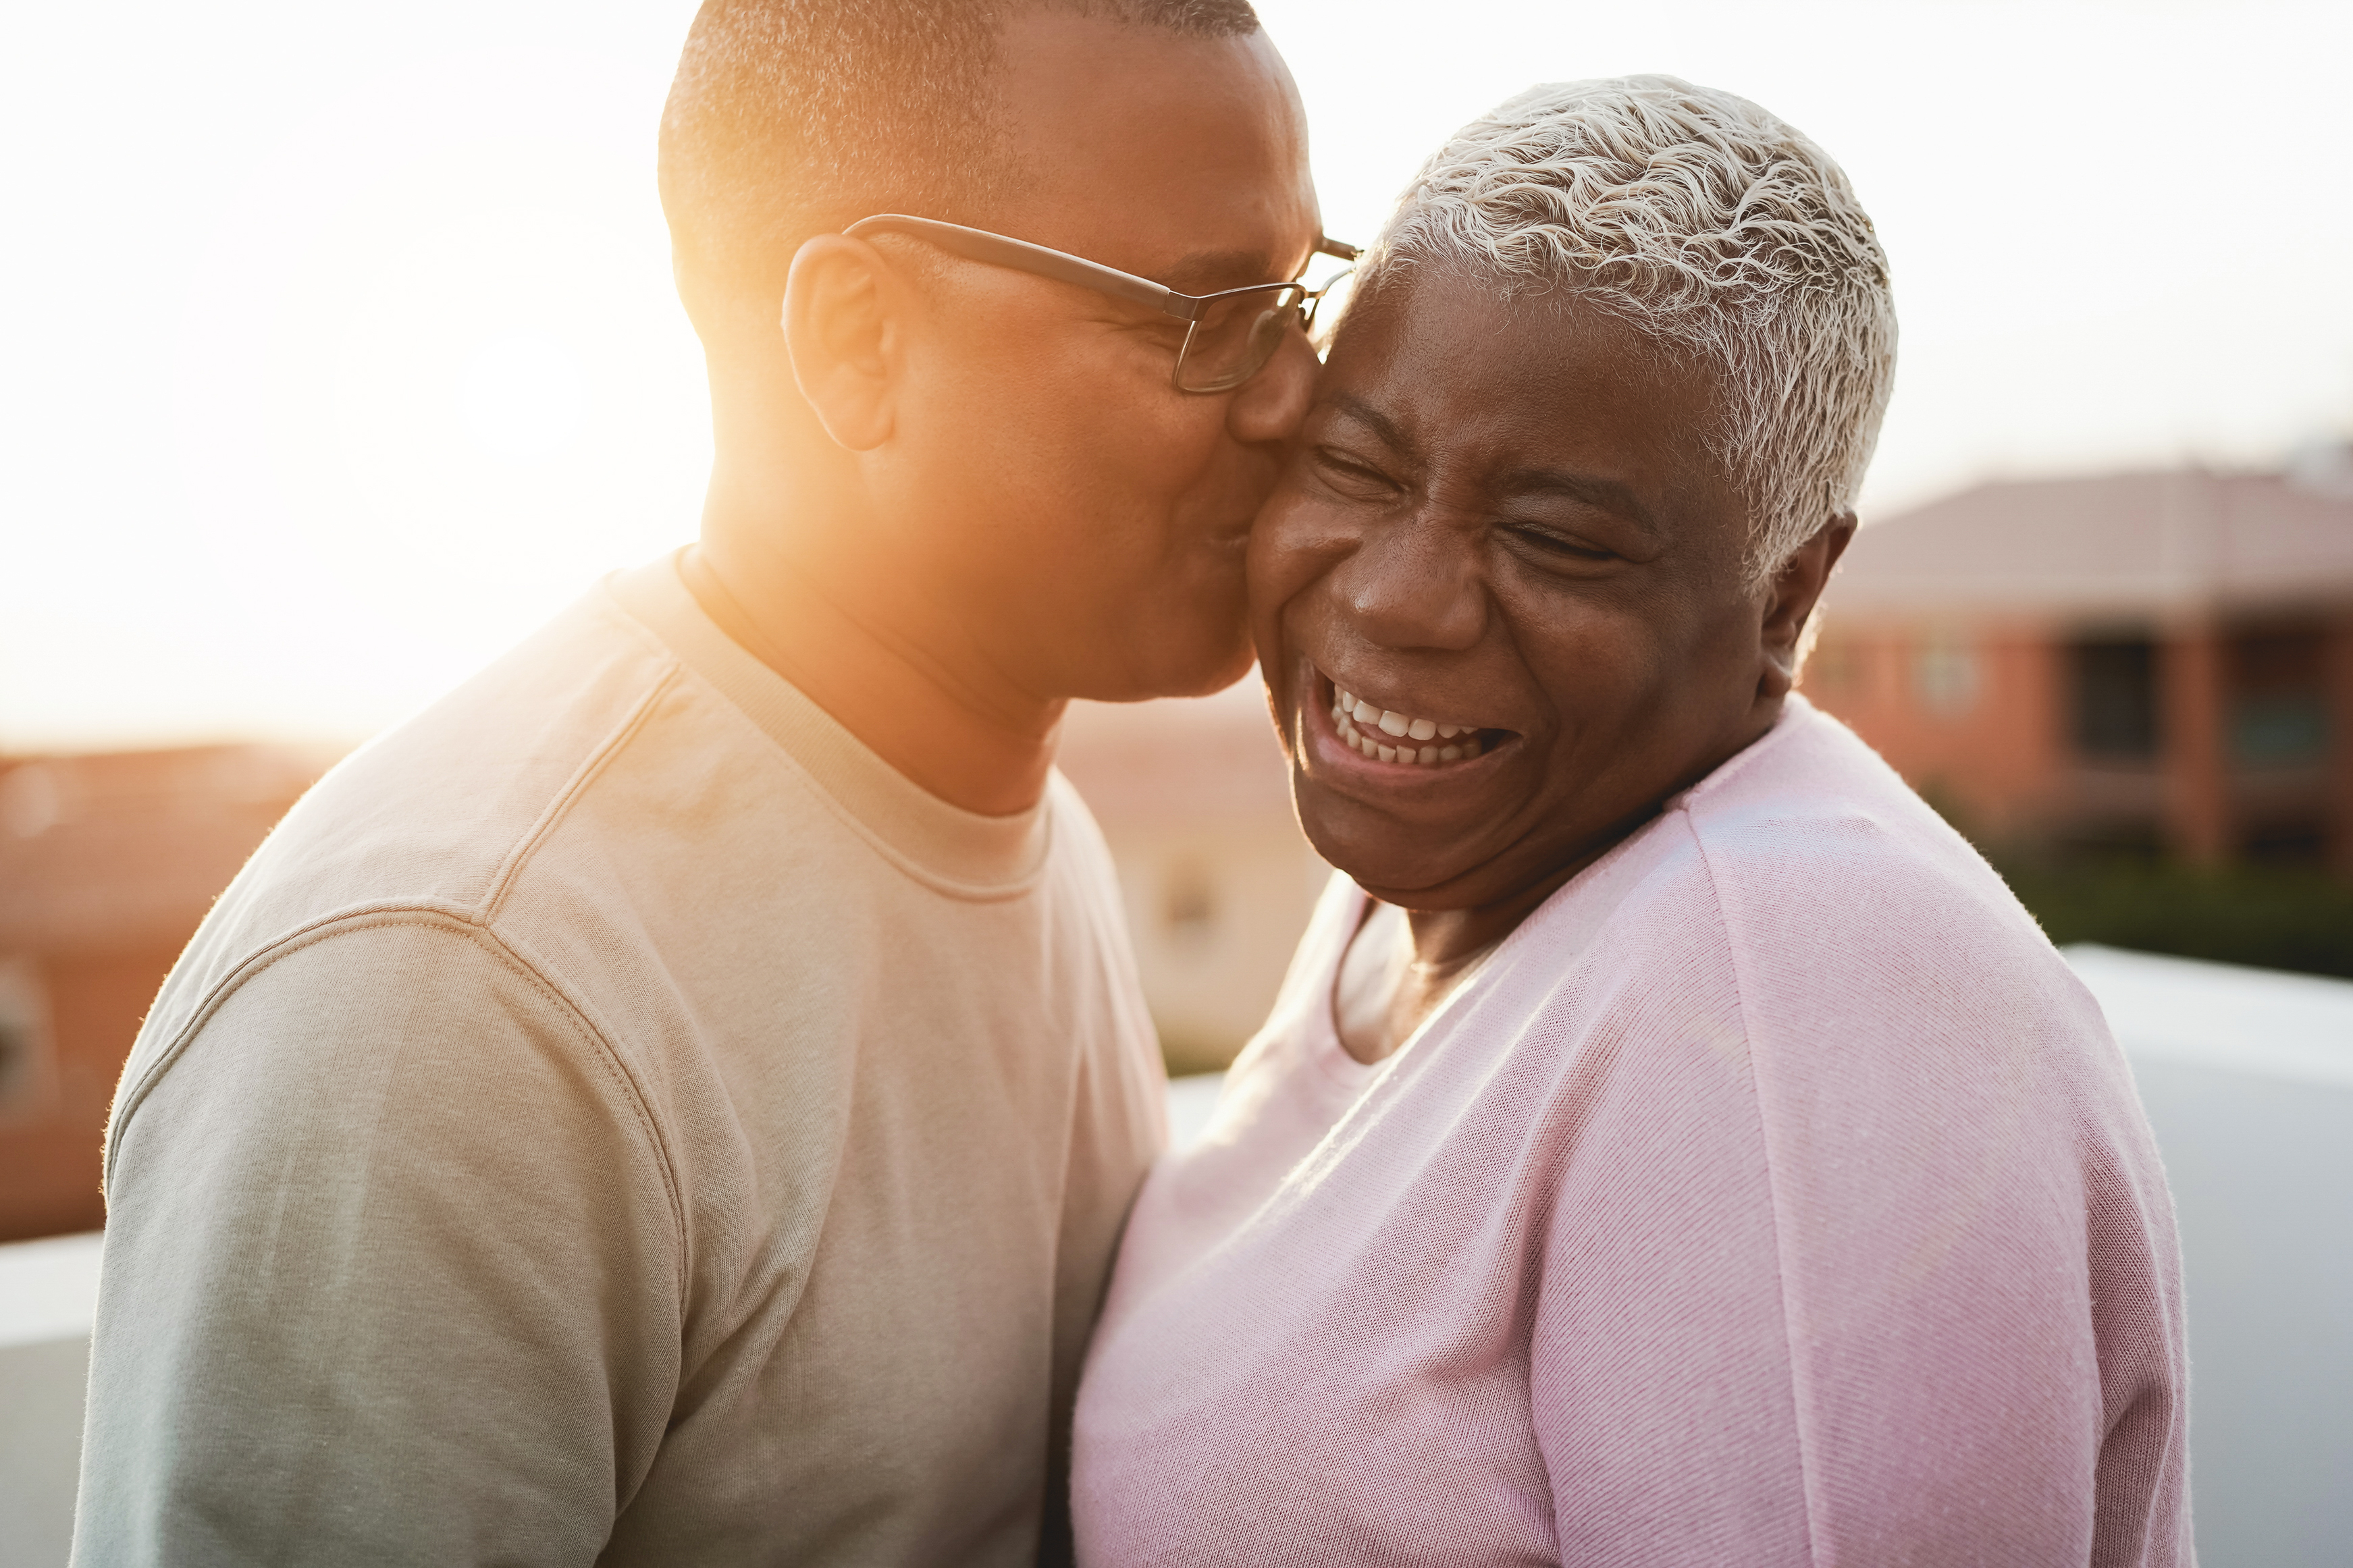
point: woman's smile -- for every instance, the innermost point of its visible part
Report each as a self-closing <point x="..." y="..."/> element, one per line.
<point x="1362" y="762"/>
<point x="1396" y="737"/>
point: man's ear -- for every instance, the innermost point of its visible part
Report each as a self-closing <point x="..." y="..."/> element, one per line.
<point x="844" y="329"/>
<point x="1794" y="591"/>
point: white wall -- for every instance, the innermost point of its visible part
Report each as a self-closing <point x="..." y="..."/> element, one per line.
<point x="2247" y="1077"/>
<point x="48" y="1291"/>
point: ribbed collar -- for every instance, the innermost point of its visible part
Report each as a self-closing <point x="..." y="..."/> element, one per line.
<point x="956" y="851"/>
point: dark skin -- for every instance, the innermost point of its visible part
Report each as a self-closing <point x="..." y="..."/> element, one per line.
<point x="1501" y="515"/>
<point x="948" y="497"/>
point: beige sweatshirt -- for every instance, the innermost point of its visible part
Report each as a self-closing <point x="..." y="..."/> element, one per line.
<point x="617" y="1118"/>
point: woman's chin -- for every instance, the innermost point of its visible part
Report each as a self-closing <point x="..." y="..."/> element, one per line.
<point x="1388" y="858"/>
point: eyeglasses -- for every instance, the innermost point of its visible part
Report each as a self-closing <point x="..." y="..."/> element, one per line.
<point x="1230" y="334"/>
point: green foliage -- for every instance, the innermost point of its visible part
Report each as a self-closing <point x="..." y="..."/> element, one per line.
<point x="2269" y="917"/>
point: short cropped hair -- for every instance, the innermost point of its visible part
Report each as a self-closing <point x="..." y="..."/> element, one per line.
<point x="793" y="118"/>
<point x="1708" y="223"/>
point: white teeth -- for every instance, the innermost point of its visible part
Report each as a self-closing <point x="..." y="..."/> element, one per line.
<point x="1349" y="711"/>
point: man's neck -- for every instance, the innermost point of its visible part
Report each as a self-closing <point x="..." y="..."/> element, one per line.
<point x="943" y="722"/>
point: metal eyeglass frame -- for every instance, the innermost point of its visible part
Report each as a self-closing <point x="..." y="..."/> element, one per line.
<point x="1000" y="250"/>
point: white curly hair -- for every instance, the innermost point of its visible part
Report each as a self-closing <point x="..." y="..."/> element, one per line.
<point x="1707" y="222"/>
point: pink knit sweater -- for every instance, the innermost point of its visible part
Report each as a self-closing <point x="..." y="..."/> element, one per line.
<point x="1773" y="1195"/>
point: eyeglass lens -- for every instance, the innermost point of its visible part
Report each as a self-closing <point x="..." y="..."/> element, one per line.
<point x="1233" y="339"/>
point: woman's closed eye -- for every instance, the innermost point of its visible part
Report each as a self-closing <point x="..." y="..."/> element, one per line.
<point x="1351" y="475"/>
<point x="1555" y="545"/>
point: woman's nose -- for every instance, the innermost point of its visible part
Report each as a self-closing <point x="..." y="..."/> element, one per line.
<point x="1413" y="584"/>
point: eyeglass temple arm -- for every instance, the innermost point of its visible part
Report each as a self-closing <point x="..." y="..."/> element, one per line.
<point x="1002" y="250"/>
<point x="999" y="250"/>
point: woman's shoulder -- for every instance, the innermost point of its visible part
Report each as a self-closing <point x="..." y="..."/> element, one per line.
<point x="1848" y="903"/>
<point x="1812" y="814"/>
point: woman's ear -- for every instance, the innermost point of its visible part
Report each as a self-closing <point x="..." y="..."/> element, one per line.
<point x="843" y="328"/>
<point x="1794" y="591"/>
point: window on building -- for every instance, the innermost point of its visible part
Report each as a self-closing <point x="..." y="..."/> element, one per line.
<point x="1188" y="903"/>
<point x="2113" y="683"/>
<point x="2279" y="706"/>
<point x="1946" y="676"/>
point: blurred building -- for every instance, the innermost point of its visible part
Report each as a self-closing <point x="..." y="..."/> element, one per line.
<point x="1195" y="802"/>
<point x="107" y="864"/>
<point x="2156" y="662"/>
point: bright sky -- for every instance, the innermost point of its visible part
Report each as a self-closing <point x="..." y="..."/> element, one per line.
<point x="340" y="348"/>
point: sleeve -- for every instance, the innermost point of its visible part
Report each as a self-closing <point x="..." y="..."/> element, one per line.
<point x="1659" y="1359"/>
<point x="392" y="1273"/>
<point x="1840" y="1270"/>
<point x="2137" y="1318"/>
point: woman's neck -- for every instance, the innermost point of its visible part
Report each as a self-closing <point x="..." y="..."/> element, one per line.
<point x="1402" y="964"/>
<point x="1386" y="988"/>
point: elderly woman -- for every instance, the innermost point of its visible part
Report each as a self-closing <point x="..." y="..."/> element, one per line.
<point x="1672" y="1143"/>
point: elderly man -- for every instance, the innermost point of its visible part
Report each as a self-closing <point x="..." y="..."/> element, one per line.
<point x="1673" y="1144"/>
<point x="673" y="1102"/>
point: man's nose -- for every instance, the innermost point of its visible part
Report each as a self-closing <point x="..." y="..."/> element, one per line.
<point x="1413" y="584"/>
<point x="1269" y="407"/>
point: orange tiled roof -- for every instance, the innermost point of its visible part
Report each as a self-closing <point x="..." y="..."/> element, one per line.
<point x="2125" y="545"/>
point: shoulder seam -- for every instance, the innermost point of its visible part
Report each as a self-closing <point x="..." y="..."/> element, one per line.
<point x="1806" y="1468"/>
<point x="465" y="925"/>
<point x="502" y="879"/>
